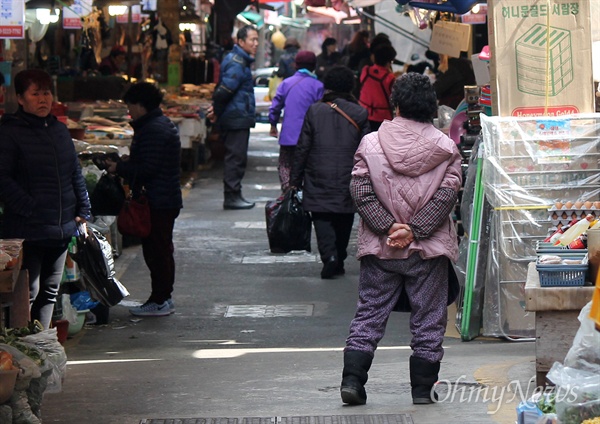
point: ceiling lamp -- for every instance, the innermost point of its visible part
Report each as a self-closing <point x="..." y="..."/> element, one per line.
<point x="45" y="16"/>
<point x="117" y="9"/>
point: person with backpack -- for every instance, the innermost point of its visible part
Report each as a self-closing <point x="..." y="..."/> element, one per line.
<point x="376" y="86"/>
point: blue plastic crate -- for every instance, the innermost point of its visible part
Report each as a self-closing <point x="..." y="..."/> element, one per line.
<point x="542" y="247"/>
<point x="557" y="275"/>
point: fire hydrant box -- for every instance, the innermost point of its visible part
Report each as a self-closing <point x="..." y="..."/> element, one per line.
<point x="541" y="57"/>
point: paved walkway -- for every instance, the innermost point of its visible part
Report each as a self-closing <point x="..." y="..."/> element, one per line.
<point x="261" y="335"/>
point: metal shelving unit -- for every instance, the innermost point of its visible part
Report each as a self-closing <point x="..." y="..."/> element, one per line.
<point x="530" y="164"/>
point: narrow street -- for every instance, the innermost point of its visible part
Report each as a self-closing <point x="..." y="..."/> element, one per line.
<point x="261" y="335"/>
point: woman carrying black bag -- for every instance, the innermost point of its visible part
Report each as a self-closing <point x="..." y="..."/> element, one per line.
<point x="323" y="162"/>
<point x="42" y="188"/>
<point x="153" y="167"/>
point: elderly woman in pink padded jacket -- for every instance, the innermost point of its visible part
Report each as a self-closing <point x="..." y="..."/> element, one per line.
<point x="404" y="183"/>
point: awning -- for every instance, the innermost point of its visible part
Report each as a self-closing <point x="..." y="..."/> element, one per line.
<point x="329" y="14"/>
<point x="251" y="18"/>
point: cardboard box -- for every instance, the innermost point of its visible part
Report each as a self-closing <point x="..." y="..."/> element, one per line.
<point x="541" y="57"/>
<point x="8" y="278"/>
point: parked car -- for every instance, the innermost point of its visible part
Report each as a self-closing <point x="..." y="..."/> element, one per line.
<point x="261" y="92"/>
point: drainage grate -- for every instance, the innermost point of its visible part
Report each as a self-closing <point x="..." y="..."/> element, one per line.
<point x="319" y="419"/>
<point x="268" y="311"/>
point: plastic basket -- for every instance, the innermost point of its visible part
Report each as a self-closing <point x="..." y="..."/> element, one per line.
<point x="557" y="275"/>
<point x="547" y="247"/>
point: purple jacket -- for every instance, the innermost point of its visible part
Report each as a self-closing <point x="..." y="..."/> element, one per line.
<point x="296" y="94"/>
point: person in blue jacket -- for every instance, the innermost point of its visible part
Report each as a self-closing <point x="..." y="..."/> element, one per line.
<point x="234" y="111"/>
<point x="154" y="165"/>
<point x="42" y="188"/>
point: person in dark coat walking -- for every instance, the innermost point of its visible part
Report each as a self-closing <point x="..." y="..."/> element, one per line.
<point x="323" y="162"/>
<point x="328" y="58"/>
<point x="234" y="111"/>
<point x="42" y="188"/>
<point x="154" y="165"/>
<point x="287" y="60"/>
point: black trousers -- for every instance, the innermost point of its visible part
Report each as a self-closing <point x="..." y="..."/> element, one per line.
<point x="236" y="157"/>
<point x="333" y="233"/>
<point x="158" y="253"/>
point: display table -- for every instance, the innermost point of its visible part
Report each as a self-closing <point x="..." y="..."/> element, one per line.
<point x="556" y="311"/>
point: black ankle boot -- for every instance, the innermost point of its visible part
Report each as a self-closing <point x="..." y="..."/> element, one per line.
<point x="354" y="377"/>
<point x="329" y="267"/>
<point x="234" y="200"/>
<point x="423" y="375"/>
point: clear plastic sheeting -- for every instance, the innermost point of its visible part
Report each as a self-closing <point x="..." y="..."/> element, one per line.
<point x="531" y="165"/>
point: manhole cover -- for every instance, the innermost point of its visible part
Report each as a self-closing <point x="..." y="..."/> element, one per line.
<point x="319" y="419"/>
<point x="268" y="311"/>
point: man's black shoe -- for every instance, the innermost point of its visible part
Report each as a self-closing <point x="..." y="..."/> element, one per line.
<point x="329" y="268"/>
<point x="234" y="200"/>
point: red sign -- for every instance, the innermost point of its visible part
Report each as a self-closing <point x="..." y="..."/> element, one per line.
<point x="473" y="18"/>
<point x="537" y="111"/>
<point x="12" y="31"/>
<point x="123" y="19"/>
<point x="71" y="23"/>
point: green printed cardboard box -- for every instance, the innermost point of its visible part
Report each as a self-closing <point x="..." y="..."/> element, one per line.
<point x="541" y="57"/>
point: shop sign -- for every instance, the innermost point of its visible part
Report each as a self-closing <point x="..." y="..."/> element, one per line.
<point x="124" y="18"/>
<point x="473" y="18"/>
<point x="450" y="38"/>
<point x="72" y="14"/>
<point x="12" y="19"/>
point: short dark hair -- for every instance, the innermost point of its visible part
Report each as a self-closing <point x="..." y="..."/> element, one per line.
<point x="242" y="33"/>
<point x="339" y="79"/>
<point x="145" y="94"/>
<point x="414" y="95"/>
<point x="384" y="54"/>
<point x="29" y="77"/>
<point x="379" y="40"/>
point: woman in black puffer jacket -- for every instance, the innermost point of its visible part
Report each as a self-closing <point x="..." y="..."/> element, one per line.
<point x="42" y="188"/>
<point x="154" y="164"/>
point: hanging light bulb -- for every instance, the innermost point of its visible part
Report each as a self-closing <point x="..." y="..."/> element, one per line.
<point x="43" y="15"/>
<point x="54" y="15"/>
<point x="117" y="9"/>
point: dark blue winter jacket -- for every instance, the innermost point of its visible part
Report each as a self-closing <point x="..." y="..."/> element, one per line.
<point x="155" y="160"/>
<point x="41" y="184"/>
<point x="233" y="99"/>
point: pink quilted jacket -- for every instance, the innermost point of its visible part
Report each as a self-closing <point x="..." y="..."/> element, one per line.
<point x="407" y="162"/>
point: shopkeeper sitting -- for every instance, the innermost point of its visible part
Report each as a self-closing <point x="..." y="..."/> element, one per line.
<point x="111" y="64"/>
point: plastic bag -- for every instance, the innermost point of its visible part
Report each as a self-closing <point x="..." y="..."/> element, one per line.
<point x="584" y="354"/>
<point x="95" y="260"/>
<point x="68" y="311"/>
<point x="288" y="224"/>
<point x="55" y="363"/>
<point x="577" y="393"/>
<point x="82" y="301"/>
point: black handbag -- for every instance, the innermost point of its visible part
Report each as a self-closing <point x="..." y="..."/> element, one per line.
<point x="288" y="224"/>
